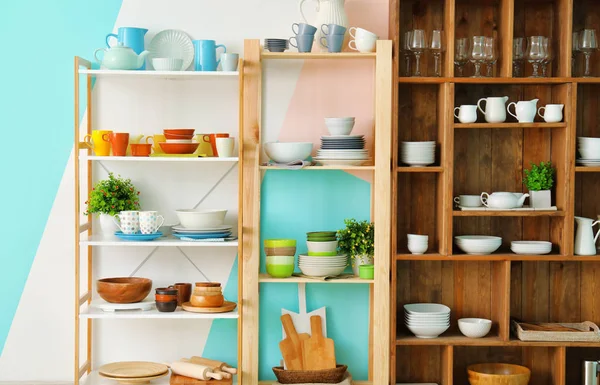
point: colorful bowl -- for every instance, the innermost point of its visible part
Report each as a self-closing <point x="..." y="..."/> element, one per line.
<point x="200" y="219"/>
<point x="178" y="133"/>
<point x="279" y="243"/>
<point x="280" y="271"/>
<point x="329" y="246"/>
<point x="141" y="149"/>
<point x="321" y="234"/>
<point x="207" y="300"/>
<point x="497" y="373"/>
<point x="166" y="307"/>
<point x="179" y="148"/>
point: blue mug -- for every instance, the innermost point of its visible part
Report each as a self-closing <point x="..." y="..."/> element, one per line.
<point x="206" y="55"/>
<point x="131" y="37"/>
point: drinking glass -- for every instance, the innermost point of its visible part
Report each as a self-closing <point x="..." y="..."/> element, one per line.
<point x="418" y="44"/>
<point x="518" y="55"/>
<point x="549" y="55"/>
<point x="535" y="53"/>
<point x="491" y="56"/>
<point x="588" y="43"/>
<point x="437" y="47"/>
<point x="478" y="54"/>
<point x="461" y="54"/>
<point x="406" y="52"/>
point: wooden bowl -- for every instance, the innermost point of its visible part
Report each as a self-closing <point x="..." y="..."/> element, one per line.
<point x="207" y="300"/>
<point x="208" y="284"/>
<point x="498" y="374"/>
<point x="179" y="148"/>
<point x="123" y="289"/>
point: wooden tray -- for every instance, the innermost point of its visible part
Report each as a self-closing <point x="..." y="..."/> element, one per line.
<point x="176" y="379"/>
<point x="132" y="369"/>
<point x="134" y="380"/>
<point x="533" y="331"/>
<point x="227" y="307"/>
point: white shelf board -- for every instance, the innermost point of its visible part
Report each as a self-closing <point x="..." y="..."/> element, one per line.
<point x="111" y="240"/>
<point x="159" y="74"/>
<point x="160" y="159"/>
<point x="96" y="379"/>
<point x="93" y="312"/>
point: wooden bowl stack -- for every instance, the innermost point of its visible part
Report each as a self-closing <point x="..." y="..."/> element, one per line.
<point x="207" y="294"/>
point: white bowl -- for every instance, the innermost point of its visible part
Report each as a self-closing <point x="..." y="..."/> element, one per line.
<point x="339" y="126"/>
<point x="322" y="247"/>
<point x="427" y="331"/>
<point x="199" y="219"/>
<point x="426" y="321"/>
<point x="478" y="244"/>
<point x="285" y="152"/>
<point x="474" y="327"/>
<point x="322" y="271"/>
<point x="427" y="308"/>
<point x="167" y="64"/>
<point x="430" y="319"/>
<point x="417" y="249"/>
<point x="280" y="259"/>
<point x="531" y="247"/>
<point x="589" y="153"/>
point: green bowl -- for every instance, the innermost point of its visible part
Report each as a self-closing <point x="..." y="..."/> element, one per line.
<point x="280" y="243"/>
<point x="280" y="271"/>
<point x="322" y="253"/>
<point x="321" y="233"/>
<point x="366" y="271"/>
<point x="321" y="239"/>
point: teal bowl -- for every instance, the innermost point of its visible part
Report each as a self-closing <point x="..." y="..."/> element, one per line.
<point x="280" y="271"/>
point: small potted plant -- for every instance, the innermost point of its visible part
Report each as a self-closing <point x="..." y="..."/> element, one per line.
<point x="539" y="180"/>
<point x="109" y="197"/>
<point x="357" y="241"/>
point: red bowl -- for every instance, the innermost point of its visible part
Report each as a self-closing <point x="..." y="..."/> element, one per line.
<point x="179" y="148"/>
<point x="179" y="132"/>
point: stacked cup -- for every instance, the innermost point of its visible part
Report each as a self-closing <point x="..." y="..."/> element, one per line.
<point x="333" y="37"/>
<point x="280" y="257"/>
<point x="364" y="41"/>
<point x="305" y="36"/>
<point x="417" y="154"/>
<point x="417" y="244"/>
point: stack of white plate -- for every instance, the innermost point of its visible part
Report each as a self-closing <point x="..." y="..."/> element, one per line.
<point x="589" y="151"/>
<point x="342" y="150"/>
<point x="478" y="244"/>
<point x="418" y="154"/>
<point x="531" y="247"/>
<point x="427" y="320"/>
<point x="319" y="266"/>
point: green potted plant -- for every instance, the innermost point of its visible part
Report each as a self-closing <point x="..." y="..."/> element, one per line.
<point x="539" y="180"/>
<point x="109" y="197"/>
<point x="357" y="241"/>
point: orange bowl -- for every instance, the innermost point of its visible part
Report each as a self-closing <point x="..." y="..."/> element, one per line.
<point x="495" y="373"/>
<point x="179" y="133"/>
<point x="179" y="148"/>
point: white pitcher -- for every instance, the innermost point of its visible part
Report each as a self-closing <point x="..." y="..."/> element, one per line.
<point x="585" y="240"/>
<point x="328" y="12"/>
<point x="495" y="110"/>
<point x="524" y="111"/>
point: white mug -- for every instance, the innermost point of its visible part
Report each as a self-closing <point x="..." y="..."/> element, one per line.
<point x="129" y="222"/>
<point x="553" y="113"/>
<point x="225" y="147"/>
<point x="467" y="113"/>
<point x="468" y="200"/>
<point x="364" y="45"/>
<point x="150" y="222"/>
<point x="360" y="33"/>
<point x="229" y="61"/>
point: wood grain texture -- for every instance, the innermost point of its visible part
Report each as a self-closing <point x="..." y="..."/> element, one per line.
<point x="318" y="352"/>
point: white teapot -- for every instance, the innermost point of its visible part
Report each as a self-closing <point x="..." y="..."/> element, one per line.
<point x="502" y="200"/>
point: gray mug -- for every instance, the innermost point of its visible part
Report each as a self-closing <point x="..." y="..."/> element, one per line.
<point x="304" y="29"/>
<point x="303" y="42"/>
<point x="333" y="43"/>
<point x="229" y="61"/>
<point x="333" y="29"/>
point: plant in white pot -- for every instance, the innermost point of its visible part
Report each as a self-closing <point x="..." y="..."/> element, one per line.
<point x="357" y="241"/>
<point x="109" y="197"/>
<point x="539" y="180"/>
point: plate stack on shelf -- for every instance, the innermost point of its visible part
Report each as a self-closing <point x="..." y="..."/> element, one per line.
<point x="418" y="154"/>
<point x="340" y="148"/>
<point x="223" y="231"/>
<point x="427" y="320"/>
<point x="589" y="151"/>
<point x="276" y="45"/>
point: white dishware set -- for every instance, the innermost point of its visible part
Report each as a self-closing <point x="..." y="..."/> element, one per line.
<point x="322" y="266"/>
<point x="340" y="148"/>
<point x="495" y="111"/>
<point x="426" y="320"/>
<point x="363" y="40"/>
<point x="138" y="222"/>
<point x="553" y="113"/>
<point x="478" y="244"/>
<point x="418" y="244"/>
<point x="200" y="224"/>
<point x="589" y="151"/>
<point x="417" y="154"/>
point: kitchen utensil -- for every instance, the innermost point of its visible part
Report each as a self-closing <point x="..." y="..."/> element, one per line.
<point x="131" y="37"/>
<point x="225" y="308"/>
<point x="437" y="47"/>
<point x="120" y="57"/>
<point x="302" y="318"/>
<point x="585" y="239"/>
<point x="138" y="236"/>
<point x="166" y="307"/>
<point x="277" y="270"/>
<point x="497" y="373"/>
<point x="549" y="55"/>
<point x="285" y="251"/>
<point x="179" y="133"/>
<point x="216" y="365"/>
<point x="284" y="152"/>
<point x="318" y="352"/>
<point x="99" y="141"/>
<point x="195" y="218"/>
<point x="417" y="154"/>
<point x="326" y="376"/>
<point x="178" y="148"/>
<point x="553" y="113"/>
<point x="140" y="149"/>
<point x="417" y="244"/>
<point x="173" y="43"/>
<point x="333" y="43"/>
<point x="167" y="64"/>
<point x="128" y="221"/>
<point x="119" y="141"/>
<point x="468" y="200"/>
<point x="184" y="292"/>
<point x="164" y="298"/>
<point x="150" y="221"/>
<point x="361" y="33"/>
<point x="491" y="55"/>
<point x="132" y="369"/>
<point x="340" y="126"/>
<point x="478" y="244"/>
<point x="276" y="45"/>
<point x="229" y="62"/>
<point x="364" y="45"/>
<point x="327" y="12"/>
<point x="477" y="54"/>
<point x="207" y="300"/>
<point x="535" y="53"/>
<point x="291" y="346"/>
<point x="366" y="271"/>
<point x="466" y="113"/>
<point x="224" y="147"/>
<point x="206" y="55"/>
<point x="474" y="327"/>
<point x="588" y="44"/>
<point x="144" y="305"/>
<point x="495" y="110"/>
<point x="427" y="308"/>
<point x="461" y="54"/>
<point x="524" y="110"/>
<point x="405" y="50"/>
<point x="212" y="139"/>
<point x="156" y="140"/>
<point x="188" y="369"/>
<point x="304" y="43"/>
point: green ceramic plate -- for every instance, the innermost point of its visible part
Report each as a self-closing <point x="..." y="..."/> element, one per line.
<point x="280" y="243"/>
<point x="322" y="253"/>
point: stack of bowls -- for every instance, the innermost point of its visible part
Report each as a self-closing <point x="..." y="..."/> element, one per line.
<point x="340" y="126"/>
<point x="276" y="45"/>
<point x="322" y="259"/>
<point x="589" y="150"/>
<point x="207" y="294"/>
<point x="280" y="257"/>
<point x="427" y="320"/>
<point x="531" y="247"/>
<point x="321" y="243"/>
<point x="478" y="244"/>
<point x="418" y="154"/>
<point x="418" y="244"/>
<point x="179" y="141"/>
<point x="166" y="299"/>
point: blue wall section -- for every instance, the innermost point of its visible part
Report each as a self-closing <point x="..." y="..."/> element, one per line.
<point x="36" y="107"/>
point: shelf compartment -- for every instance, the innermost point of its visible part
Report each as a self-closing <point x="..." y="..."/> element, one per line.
<point x="321" y="168"/>
<point x="95" y="313"/>
<point x="420" y="169"/>
<point x="510" y="125"/>
<point x="485" y="80"/>
<point x="489" y="257"/>
<point x="574" y="362"/>
<point x="586" y="14"/>
<point x="159" y="74"/>
<point x="100" y="240"/>
<point x="454" y="339"/>
<point x="265" y="278"/>
<point x="506" y="213"/>
<point x="317" y="55"/>
<point x="159" y="159"/>
<point x="423" y="364"/>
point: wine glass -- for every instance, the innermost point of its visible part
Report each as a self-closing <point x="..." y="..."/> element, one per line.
<point x="518" y="55"/>
<point x="436" y="47"/>
<point x="418" y="44"/>
<point x="588" y="43"/>
<point x="461" y="54"/>
<point x="406" y="52"/>
<point x="549" y="55"/>
<point x="535" y="53"/>
<point x="478" y="54"/>
<point x="491" y="56"/>
<point x="574" y="51"/>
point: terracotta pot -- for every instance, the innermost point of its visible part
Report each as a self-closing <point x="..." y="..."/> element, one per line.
<point x="123" y="289"/>
<point x="165" y="298"/>
<point x="207" y="300"/>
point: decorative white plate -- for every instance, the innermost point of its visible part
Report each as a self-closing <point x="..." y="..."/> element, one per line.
<point x="173" y="43"/>
<point x="206" y="229"/>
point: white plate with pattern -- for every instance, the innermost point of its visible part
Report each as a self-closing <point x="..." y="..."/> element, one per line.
<point x="173" y="43"/>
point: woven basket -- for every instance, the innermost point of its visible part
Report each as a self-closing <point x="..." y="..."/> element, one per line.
<point x="589" y="332"/>
<point x="325" y="376"/>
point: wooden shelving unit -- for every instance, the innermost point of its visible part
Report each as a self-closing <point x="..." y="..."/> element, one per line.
<point x="559" y="287"/>
<point x="379" y="336"/>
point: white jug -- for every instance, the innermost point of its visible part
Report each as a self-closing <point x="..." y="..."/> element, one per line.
<point x="495" y="110"/>
<point x="328" y="12"/>
<point x="585" y="240"/>
<point x="524" y="111"/>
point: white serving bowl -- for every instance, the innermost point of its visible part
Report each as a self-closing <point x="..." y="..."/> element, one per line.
<point x="589" y="153"/>
<point x="416" y="248"/>
<point x="339" y="126"/>
<point x="478" y="244"/>
<point x="322" y="247"/>
<point x="200" y="219"/>
<point x="427" y="308"/>
<point x="444" y="320"/>
<point x="427" y="331"/>
<point x="280" y="259"/>
<point x="474" y="327"/>
<point x="322" y="271"/>
<point x="167" y="64"/>
<point x="531" y="247"/>
<point x="285" y="152"/>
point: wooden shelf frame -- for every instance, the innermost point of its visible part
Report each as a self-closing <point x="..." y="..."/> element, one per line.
<point x="379" y="337"/>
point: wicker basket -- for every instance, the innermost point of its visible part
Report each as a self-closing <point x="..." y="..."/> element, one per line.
<point x="588" y="332"/>
<point x="325" y="376"/>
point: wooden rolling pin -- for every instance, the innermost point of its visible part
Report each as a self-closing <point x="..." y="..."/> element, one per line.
<point x="199" y="372"/>
<point x="216" y="369"/>
<point x="217" y="365"/>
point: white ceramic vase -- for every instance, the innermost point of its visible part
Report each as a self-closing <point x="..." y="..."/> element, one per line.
<point x="540" y="199"/>
<point x="328" y="12"/>
<point x="360" y="260"/>
<point x="107" y="225"/>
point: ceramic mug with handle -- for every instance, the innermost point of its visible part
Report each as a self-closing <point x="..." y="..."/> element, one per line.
<point x="360" y="33"/>
<point x="128" y="221"/>
<point x="468" y="200"/>
<point x="131" y="37"/>
<point x="364" y="45"/>
<point x="206" y="55"/>
<point x="150" y="221"/>
<point x="211" y="138"/>
<point x="156" y="139"/>
<point x="466" y="113"/>
<point x="99" y="141"/>
<point x="119" y="141"/>
<point x="553" y="113"/>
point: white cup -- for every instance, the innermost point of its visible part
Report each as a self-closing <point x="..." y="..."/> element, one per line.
<point x="129" y="222"/>
<point x="360" y="33"/>
<point x="553" y="113"/>
<point x="467" y="113"/>
<point x="417" y="244"/>
<point x="366" y="44"/>
<point x="229" y="61"/>
<point x="225" y="147"/>
<point x="150" y="221"/>
<point x="468" y="201"/>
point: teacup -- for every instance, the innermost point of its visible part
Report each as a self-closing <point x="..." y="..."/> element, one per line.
<point x="211" y="138"/>
<point x="229" y="61"/>
<point x="333" y="43"/>
<point x="141" y="149"/>
<point x="553" y="113"/>
<point x="134" y="139"/>
<point x="303" y="29"/>
<point x="184" y="292"/>
<point x="99" y="141"/>
<point x="205" y="148"/>
<point x="225" y="147"/>
<point x="363" y="45"/>
<point x="467" y="113"/>
<point x="468" y="200"/>
<point x="150" y="221"/>
<point x="303" y="42"/>
<point x="360" y="33"/>
<point x="333" y="29"/>
<point x="156" y="139"/>
<point x="128" y="222"/>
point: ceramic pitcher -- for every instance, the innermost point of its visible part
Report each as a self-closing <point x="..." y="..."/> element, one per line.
<point x="495" y="109"/>
<point x="206" y="55"/>
<point x="585" y="240"/>
<point x="328" y="12"/>
<point x="524" y="111"/>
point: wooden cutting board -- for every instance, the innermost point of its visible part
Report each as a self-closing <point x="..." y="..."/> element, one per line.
<point x="318" y="352"/>
<point x="176" y="379"/>
<point x="291" y="346"/>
